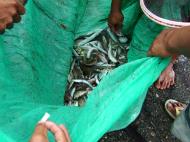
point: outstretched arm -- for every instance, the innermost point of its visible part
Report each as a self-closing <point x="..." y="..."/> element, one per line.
<point x="172" y="42"/>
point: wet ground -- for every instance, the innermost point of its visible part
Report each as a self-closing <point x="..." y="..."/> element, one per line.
<point x="153" y="124"/>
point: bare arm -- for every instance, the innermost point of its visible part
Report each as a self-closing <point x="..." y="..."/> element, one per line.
<point x="172" y="42"/>
<point x="179" y="41"/>
<point x="115" y="17"/>
<point x="116" y="5"/>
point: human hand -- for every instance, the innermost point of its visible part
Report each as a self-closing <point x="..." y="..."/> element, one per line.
<point x="10" y="11"/>
<point x="40" y="132"/>
<point x="160" y="46"/>
<point x="115" y="20"/>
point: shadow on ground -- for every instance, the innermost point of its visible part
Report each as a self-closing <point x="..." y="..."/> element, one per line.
<point x="153" y="124"/>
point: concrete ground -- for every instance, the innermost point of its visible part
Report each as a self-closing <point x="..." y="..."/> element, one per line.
<point x="153" y="124"/>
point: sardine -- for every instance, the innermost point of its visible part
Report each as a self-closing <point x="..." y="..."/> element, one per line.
<point x="90" y="52"/>
<point x="73" y="92"/>
<point x="111" y="57"/>
<point x="83" y="81"/>
<point x="80" y="94"/>
<point x="88" y="39"/>
<point x="113" y="37"/>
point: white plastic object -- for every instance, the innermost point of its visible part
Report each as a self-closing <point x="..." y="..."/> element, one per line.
<point x="44" y="118"/>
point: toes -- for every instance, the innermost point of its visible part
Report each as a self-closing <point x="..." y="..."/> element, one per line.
<point x="171" y="108"/>
<point x="158" y="85"/>
<point x="168" y="85"/>
<point x="169" y="105"/>
<point x="167" y="79"/>
<point x="159" y="82"/>
<point x="180" y="105"/>
<point x="168" y="82"/>
<point x="173" y="81"/>
<point x="164" y="84"/>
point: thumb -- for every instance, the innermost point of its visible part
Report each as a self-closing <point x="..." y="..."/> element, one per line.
<point x="156" y="49"/>
<point x="150" y="52"/>
<point x="40" y="133"/>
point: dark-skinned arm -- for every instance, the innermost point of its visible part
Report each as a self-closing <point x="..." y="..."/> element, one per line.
<point x="179" y="41"/>
<point x="116" y="17"/>
<point x="172" y="42"/>
<point x="116" y="5"/>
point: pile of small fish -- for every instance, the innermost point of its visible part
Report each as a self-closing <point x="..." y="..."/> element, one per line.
<point x="94" y="56"/>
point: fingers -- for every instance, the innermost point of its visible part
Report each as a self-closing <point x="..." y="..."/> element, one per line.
<point x="60" y="133"/>
<point x="6" y="21"/>
<point x="16" y="18"/>
<point x="41" y="129"/>
<point x="9" y="23"/>
<point x="40" y="134"/>
<point x="115" y="27"/>
<point x="14" y="15"/>
<point x="115" y="21"/>
<point x="10" y="12"/>
<point x="111" y="27"/>
<point x="154" y="49"/>
<point x="13" y="4"/>
<point x="160" y="46"/>
<point x="17" y="5"/>
<point x="20" y="7"/>
<point x="2" y="29"/>
<point x="66" y="133"/>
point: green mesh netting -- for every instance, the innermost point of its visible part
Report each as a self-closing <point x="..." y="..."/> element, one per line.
<point x="35" y="58"/>
<point x="175" y="10"/>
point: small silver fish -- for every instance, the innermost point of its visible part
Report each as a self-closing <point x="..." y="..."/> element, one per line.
<point x="111" y="57"/>
<point x="80" y="94"/>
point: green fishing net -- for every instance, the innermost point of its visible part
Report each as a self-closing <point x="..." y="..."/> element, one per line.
<point x="35" y="60"/>
<point x="175" y="10"/>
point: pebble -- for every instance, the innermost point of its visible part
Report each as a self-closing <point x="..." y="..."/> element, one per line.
<point x="157" y="96"/>
<point x="153" y="134"/>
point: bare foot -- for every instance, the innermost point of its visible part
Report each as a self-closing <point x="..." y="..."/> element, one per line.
<point x="167" y="78"/>
<point x="174" y="108"/>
